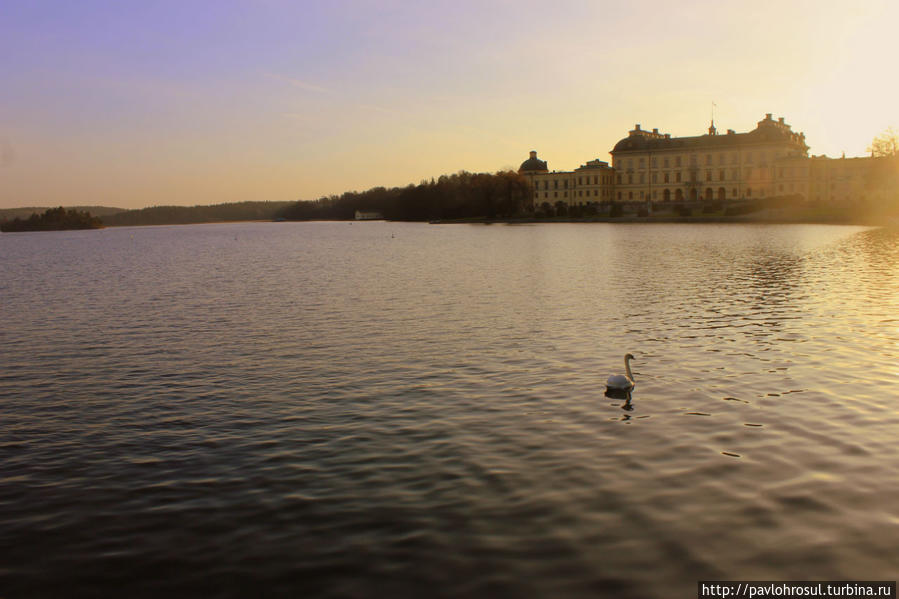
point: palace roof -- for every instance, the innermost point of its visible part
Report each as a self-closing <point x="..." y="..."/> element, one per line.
<point x="768" y="131"/>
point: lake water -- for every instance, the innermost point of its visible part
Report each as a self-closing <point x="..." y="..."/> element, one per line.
<point x="396" y="409"/>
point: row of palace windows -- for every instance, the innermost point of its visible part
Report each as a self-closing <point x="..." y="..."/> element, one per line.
<point x="606" y="179"/>
<point x="668" y="177"/>
<point x="694" y="158"/>
<point x="678" y="195"/>
<point x="666" y="195"/>
<point x="581" y="193"/>
<point x="554" y="183"/>
<point x="677" y="177"/>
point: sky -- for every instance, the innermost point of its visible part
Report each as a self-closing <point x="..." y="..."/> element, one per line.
<point x="186" y="102"/>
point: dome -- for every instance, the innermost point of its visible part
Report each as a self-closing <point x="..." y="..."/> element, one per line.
<point x="634" y="142"/>
<point x="533" y="164"/>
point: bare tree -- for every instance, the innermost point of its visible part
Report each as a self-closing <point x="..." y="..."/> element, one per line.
<point x="885" y="144"/>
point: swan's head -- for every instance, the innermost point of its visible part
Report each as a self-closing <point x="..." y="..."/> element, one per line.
<point x="628" y="357"/>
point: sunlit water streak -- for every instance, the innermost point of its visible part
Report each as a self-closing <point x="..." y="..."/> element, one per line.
<point x="377" y="409"/>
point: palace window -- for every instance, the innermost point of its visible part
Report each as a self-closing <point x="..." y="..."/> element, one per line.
<point x="642" y="178"/>
<point x="654" y="178"/>
<point x="721" y="176"/>
<point x="642" y="162"/>
<point x="677" y="176"/>
<point x="666" y="177"/>
<point x="630" y="179"/>
<point x="665" y="162"/>
<point x="708" y="175"/>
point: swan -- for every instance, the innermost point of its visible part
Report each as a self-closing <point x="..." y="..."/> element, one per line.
<point x="621" y="382"/>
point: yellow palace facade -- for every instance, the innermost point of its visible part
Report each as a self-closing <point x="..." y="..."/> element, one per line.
<point x="648" y="167"/>
<point x="658" y="167"/>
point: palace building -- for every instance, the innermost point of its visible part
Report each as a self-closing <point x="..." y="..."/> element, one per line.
<point x="658" y="167"/>
<point x="648" y="167"/>
<point x="592" y="182"/>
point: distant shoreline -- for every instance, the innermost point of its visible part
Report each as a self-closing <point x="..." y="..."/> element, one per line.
<point x="669" y="219"/>
<point x="767" y="217"/>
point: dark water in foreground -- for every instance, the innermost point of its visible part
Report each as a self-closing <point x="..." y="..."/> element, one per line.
<point x="383" y="409"/>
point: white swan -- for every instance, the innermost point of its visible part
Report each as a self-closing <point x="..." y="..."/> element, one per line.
<point x="621" y="382"/>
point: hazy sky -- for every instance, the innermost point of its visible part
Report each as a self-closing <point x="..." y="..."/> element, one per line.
<point x="138" y="103"/>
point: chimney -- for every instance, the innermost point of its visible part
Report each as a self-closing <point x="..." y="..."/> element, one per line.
<point x="655" y="130"/>
<point x="637" y="127"/>
<point x="731" y="132"/>
<point x="533" y="153"/>
<point x="667" y="136"/>
<point x="768" y="116"/>
<point x="780" y="120"/>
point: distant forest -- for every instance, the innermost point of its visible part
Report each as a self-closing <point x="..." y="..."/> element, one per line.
<point x="182" y="215"/>
<point x="54" y="219"/>
<point x="458" y="196"/>
<point x="11" y="213"/>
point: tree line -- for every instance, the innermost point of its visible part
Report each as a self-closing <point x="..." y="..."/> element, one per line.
<point x="54" y="219"/>
<point x="459" y="196"/>
<point x="182" y="215"/>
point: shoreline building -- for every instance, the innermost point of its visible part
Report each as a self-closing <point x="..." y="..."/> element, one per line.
<point x="769" y="162"/>
<point x="853" y="180"/>
<point x="652" y="166"/>
<point x="591" y="183"/>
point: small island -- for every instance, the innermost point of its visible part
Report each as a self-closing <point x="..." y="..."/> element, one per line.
<point x="54" y="219"/>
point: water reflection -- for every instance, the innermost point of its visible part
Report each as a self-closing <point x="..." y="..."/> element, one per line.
<point x="409" y="409"/>
<point x="621" y="394"/>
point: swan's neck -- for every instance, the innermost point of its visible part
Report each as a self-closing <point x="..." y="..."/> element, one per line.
<point x="627" y="368"/>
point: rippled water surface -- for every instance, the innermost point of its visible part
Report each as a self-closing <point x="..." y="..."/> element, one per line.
<point x="386" y="409"/>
